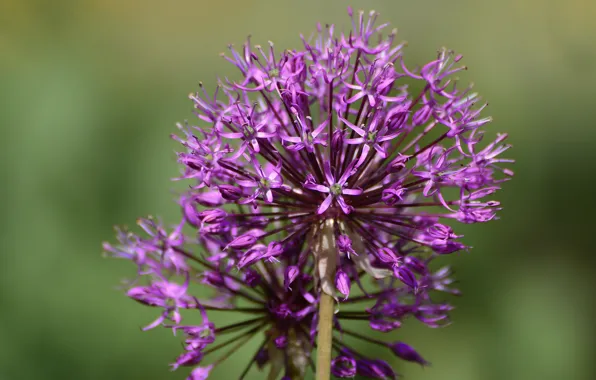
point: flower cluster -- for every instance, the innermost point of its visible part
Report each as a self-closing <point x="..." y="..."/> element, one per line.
<point x="337" y="147"/>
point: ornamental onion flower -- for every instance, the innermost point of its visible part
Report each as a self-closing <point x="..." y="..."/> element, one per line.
<point x="324" y="182"/>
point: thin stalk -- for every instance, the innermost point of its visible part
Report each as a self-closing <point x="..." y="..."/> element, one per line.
<point x="253" y="360"/>
<point x="325" y="337"/>
<point x="235" y="326"/>
<point x="326" y="255"/>
<point x="241" y="342"/>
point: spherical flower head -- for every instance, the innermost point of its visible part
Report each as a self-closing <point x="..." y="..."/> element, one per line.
<point x="313" y="172"/>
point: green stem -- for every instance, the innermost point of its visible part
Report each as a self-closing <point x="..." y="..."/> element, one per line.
<point x="326" y="254"/>
<point x="325" y="337"/>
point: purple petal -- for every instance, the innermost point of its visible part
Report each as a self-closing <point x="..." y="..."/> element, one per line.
<point x="342" y="283"/>
<point x="346" y="208"/>
<point x="325" y="205"/>
<point x="376" y="369"/>
<point x="343" y="367"/>
<point x="250" y="257"/>
<point x="406" y="276"/>
<point x="352" y="191"/>
<point x="200" y="373"/>
<point x="290" y="275"/>
<point x="243" y="241"/>
<point x="356" y="129"/>
<point x="386" y="255"/>
<point x="406" y="352"/>
<point x="212" y="216"/>
<point x="328" y="175"/>
<point x="316" y="187"/>
<point x="230" y="193"/>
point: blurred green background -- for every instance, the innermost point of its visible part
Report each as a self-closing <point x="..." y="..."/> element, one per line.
<point x="90" y="91"/>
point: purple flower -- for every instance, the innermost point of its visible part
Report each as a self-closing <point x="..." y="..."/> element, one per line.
<point x="212" y="216"/>
<point x="343" y="367"/>
<point x="265" y="181"/>
<point x="291" y="273"/>
<point x="406" y="352"/>
<point x="243" y="241"/>
<point x="199" y="373"/>
<point x="281" y="341"/>
<point x="251" y="128"/>
<point x="342" y="282"/>
<point x="307" y="139"/>
<point x="386" y="255"/>
<point x="344" y="245"/>
<point x="406" y="276"/>
<point x="371" y="137"/>
<point x="229" y="192"/>
<point x="375" y="369"/>
<point x="323" y="148"/>
<point x="334" y="188"/>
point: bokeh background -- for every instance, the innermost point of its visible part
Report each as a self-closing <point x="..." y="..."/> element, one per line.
<point x="90" y="91"/>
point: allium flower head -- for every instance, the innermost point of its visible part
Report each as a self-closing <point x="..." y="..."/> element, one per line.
<point x="332" y="169"/>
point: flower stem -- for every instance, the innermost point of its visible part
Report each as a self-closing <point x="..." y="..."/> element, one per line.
<point x="326" y="255"/>
<point x="325" y="337"/>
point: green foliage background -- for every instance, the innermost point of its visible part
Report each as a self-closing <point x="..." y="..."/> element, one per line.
<point x="90" y="91"/>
